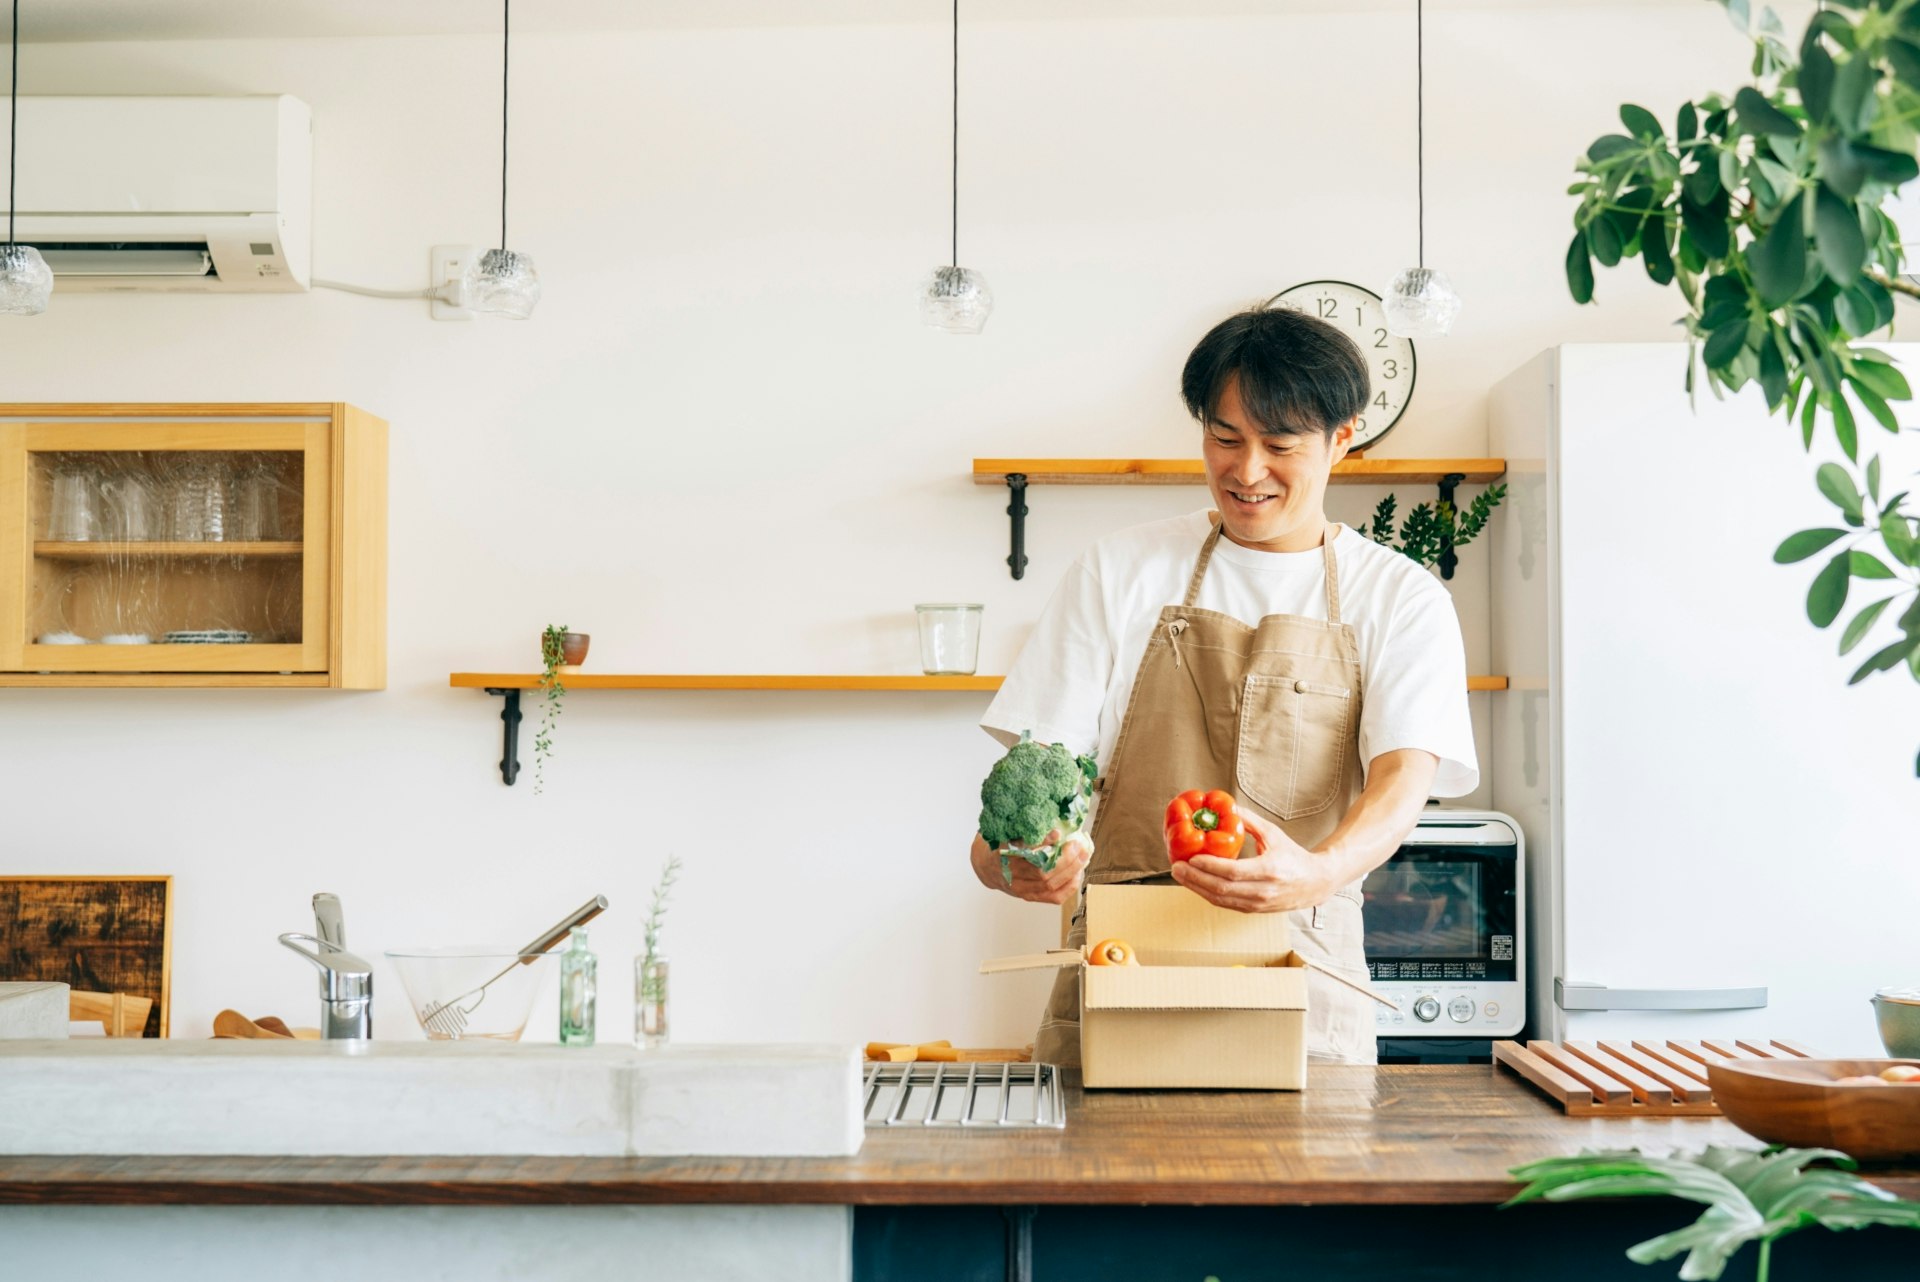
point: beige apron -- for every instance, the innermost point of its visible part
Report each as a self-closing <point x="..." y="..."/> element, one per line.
<point x="1271" y="714"/>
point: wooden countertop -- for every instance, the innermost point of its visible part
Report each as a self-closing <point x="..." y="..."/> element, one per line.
<point x="1398" y="1134"/>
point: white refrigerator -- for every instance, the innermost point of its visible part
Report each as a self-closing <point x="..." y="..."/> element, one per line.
<point x="1723" y="838"/>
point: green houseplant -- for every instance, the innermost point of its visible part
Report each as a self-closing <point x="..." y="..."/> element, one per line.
<point x="1763" y="209"/>
<point x="1749" y="1196"/>
<point x="553" y="656"/>
<point x="1431" y="528"/>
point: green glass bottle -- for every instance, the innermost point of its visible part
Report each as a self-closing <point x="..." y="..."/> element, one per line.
<point x="579" y="990"/>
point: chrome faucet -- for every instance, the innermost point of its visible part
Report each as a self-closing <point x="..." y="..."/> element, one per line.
<point x="346" y="981"/>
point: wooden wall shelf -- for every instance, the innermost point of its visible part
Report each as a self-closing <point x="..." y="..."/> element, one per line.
<point x="1018" y="473"/>
<point x="508" y="685"/>
<point x="110" y="551"/>
<point x="1187" y="471"/>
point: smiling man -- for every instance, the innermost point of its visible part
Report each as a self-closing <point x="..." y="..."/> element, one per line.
<point x="1316" y="675"/>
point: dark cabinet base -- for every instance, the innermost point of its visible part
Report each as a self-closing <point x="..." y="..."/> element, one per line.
<point x="1568" y="1243"/>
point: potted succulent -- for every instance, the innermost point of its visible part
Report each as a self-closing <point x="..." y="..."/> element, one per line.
<point x="560" y="651"/>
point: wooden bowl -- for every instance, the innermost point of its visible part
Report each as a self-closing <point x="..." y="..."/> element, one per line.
<point x="1797" y="1102"/>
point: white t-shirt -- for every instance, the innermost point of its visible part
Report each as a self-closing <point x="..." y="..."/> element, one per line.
<point x="1071" y="683"/>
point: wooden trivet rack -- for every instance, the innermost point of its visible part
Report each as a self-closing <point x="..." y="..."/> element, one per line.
<point x="1639" y="1078"/>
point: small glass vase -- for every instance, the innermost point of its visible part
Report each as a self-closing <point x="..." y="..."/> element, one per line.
<point x="650" y="974"/>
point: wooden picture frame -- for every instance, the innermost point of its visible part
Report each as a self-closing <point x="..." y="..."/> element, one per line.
<point x="108" y="934"/>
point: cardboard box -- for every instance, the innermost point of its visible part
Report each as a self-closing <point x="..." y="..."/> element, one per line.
<point x="1219" y="998"/>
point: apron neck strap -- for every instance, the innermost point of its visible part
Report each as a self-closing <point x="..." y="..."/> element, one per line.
<point x="1326" y="547"/>
<point x="1200" y="567"/>
<point x="1333" y="574"/>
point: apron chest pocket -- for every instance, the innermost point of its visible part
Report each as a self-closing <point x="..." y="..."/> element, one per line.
<point x="1294" y="735"/>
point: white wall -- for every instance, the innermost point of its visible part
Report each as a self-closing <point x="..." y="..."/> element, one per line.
<point x="725" y="443"/>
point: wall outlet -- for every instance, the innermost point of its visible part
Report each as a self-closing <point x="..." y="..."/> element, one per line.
<point x="447" y="265"/>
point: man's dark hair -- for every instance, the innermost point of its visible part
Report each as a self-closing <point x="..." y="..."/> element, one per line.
<point x="1297" y="374"/>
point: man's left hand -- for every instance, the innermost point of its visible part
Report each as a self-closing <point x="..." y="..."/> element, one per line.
<point x="1283" y="876"/>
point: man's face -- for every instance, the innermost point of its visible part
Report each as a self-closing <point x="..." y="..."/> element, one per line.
<point x="1270" y="490"/>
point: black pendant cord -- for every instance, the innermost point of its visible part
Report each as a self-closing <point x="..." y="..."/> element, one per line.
<point x="1420" y="124"/>
<point x="13" y="121"/>
<point x="954" y="246"/>
<point x="506" y="50"/>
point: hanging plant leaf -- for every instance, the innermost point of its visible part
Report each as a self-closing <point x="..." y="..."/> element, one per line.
<point x="1700" y="186"/>
<point x="1687" y="124"/>
<point x="1828" y="594"/>
<point x="1603" y="237"/>
<point x="1837" y="238"/>
<point x="1779" y="259"/>
<point x="1891" y="167"/>
<point x="1884" y="379"/>
<point x="1841" y="167"/>
<point x="1640" y="122"/>
<point x="1882" y="660"/>
<point x="1653" y="249"/>
<point x="1725" y="343"/>
<point x="1861" y="624"/>
<point x="1898" y="537"/>
<point x="1607" y="146"/>
<point x="1579" y="270"/>
<point x="1798" y="547"/>
<point x="1872" y="402"/>
<point x="1865" y="565"/>
<point x="1773" y="371"/>
<point x="1843" y="429"/>
<point x="1706" y="222"/>
<point x="1854" y="102"/>
<point x="1760" y="116"/>
<point x="1873" y="478"/>
<point x="1854" y="310"/>
<point x="1833" y="481"/>
<point x="1816" y="78"/>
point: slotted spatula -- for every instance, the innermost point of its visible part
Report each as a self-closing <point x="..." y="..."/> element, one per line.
<point x="449" y="1018"/>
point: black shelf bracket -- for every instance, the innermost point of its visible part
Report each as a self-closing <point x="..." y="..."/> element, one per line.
<point x="1448" y="560"/>
<point x="1017" y="512"/>
<point x="510" y="734"/>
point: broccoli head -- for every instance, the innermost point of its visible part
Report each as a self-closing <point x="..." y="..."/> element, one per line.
<point x="1031" y="791"/>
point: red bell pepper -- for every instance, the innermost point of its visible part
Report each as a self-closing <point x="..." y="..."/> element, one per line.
<point x="1204" y="823"/>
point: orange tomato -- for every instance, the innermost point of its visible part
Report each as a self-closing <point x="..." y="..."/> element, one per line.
<point x="1112" y="952"/>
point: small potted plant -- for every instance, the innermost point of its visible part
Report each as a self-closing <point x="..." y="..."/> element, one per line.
<point x="560" y="651"/>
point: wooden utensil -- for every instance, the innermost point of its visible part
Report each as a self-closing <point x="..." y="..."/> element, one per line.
<point x="231" y="1023"/>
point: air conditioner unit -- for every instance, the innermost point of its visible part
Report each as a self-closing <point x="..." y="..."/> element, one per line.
<point x="200" y="195"/>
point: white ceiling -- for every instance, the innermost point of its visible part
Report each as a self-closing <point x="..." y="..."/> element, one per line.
<point x="77" y="20"/>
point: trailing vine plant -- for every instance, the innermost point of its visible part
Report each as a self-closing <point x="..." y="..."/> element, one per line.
<point x="552" y="655"/>
<point x="1764" y="210"/>
<point x="1431" y="528"/>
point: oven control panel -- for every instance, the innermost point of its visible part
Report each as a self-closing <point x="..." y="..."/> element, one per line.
<point x="1450" y="1010"/>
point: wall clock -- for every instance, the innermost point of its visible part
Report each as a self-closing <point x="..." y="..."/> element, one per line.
<point x="1356" y="310"/>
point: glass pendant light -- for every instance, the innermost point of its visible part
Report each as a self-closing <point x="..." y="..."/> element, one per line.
<point x="26" y="282"/>
<point x="955" y="298"/>
<point x="501" y="280"/>
<point x="1420" y="301"/>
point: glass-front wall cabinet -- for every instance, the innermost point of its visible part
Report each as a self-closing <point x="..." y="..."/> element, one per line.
<point x="195" y="546"/>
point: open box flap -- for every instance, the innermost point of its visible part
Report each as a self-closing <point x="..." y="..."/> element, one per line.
<point x="1354" y="984"/>
<point x="1179" y="988"/>
<point x="1053" y="960"/>
<point x="1172" y="918"/>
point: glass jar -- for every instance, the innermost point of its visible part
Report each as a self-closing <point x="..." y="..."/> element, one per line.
<point x="650" y="973"/>
<point x="949" y="639"/>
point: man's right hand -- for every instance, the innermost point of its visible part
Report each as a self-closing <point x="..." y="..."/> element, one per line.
<point x="1029" y="883"/>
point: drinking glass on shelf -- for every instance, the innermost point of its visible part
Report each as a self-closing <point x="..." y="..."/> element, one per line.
<point x="256" y="506"/>
<point x="199" y="503"/>
<point x="132" y="512"/>
<point x="73" y="512"/>
<point x="949" y="639"/>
